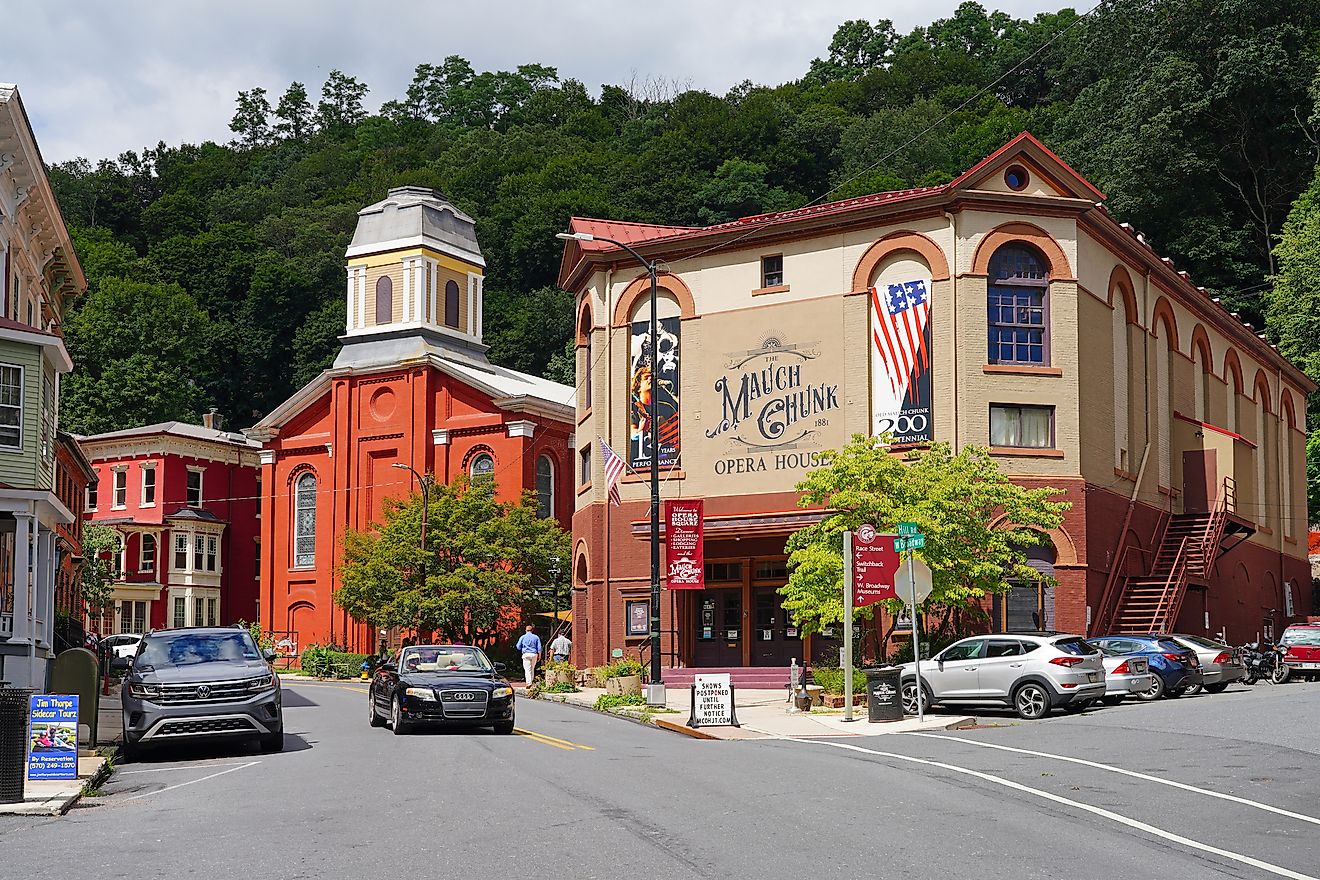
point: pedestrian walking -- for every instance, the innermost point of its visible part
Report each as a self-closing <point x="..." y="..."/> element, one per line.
<point x="529" y="645"/>
<point x="560" y="647"/>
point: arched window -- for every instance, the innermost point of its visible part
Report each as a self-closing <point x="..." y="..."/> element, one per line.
<point x="304" y="521"/>
<point x="384" y="300"/>
<point x="482" y="469"/>
<point x="1122" y="416"/>
<point x="451" y="304"/>
<point x="545" y="487"/>
<point x="147" y="553"/>
<point x="1017" y="296"/>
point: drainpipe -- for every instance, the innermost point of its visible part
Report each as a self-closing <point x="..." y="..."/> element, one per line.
<point x="1284" y="514"/>
<point x="609" y="410"/>
<point x="953" y="288"/>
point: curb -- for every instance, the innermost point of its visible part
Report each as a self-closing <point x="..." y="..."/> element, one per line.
<point x="659" y="723"/>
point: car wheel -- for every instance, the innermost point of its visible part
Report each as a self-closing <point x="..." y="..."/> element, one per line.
<point x="273" y="742"/>
<point x="1192" y="690"/>
<point x="910" y="697"/>
<point x="376" y="720"/>
<point x="1154" y="692"/>
<point x="1031" y="701"/>
<point x="1111" y="701"/>
<point x="396" y="719"/>
<point x="1280" y="673"/>
<point x="504" y="728"/>
<point x="1215" y="688"/>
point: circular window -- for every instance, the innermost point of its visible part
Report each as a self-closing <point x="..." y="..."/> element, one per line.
<point x="1016" y="177"/>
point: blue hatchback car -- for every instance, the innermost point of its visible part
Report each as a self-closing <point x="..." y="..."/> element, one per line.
<point x="1176" y="668"/>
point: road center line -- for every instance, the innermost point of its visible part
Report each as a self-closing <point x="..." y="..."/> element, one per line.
<point x="535" y="737"/>
<point x="1301" y="817"/>
<point x="191" y="782"/>
<point x="566" y="742"/>
<point x="1077" y="805"/>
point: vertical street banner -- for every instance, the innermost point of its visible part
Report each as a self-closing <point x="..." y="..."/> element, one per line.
<point x="684" y="547"/>
<point x="874" y="566"/>
<point x="900" y="361"/>
<point x="653" y="371"/>
<point x="53" y="737"/>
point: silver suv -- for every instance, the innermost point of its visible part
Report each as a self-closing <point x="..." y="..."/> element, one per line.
<point x="1030" y="672"/>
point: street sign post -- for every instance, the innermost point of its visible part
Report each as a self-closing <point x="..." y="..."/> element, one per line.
<point x="908" y="529"/>
<point x="917" y="570"/>
<point x="910" y="538"/>
<point x="870" y="566"/>
<point x="912" y="542"/>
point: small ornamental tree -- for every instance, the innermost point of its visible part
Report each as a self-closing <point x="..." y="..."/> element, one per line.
<point x="97" y="576"/>
<point x="975" y="520"/>
<point x="481" y="562"/>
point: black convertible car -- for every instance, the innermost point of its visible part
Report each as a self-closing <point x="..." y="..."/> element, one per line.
<point x="440" y="684"/>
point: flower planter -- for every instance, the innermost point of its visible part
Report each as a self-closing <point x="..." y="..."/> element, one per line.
<point x="626" y="684"/>
<point x="558" y="676"/>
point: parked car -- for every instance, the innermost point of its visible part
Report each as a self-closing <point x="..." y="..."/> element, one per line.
<point x="1302" y="642"/>
<point x="440" y="684"/>
<point x="120" y="649"/>
<point x="1175" y="668"/>
<point x="1126" y="675"/>
<point x="1030" y="672"/>
<point x="201" y="683"/>
<point x="1220" y="664"/>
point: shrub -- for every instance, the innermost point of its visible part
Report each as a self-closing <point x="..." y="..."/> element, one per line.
<point x="322" y="662"/>
<point x="563" y="687"/>
<point x="831" y="678"/>
<point x="606" y="702"/>
<point x="617" y="669"/>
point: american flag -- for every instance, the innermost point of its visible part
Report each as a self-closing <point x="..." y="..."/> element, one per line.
<point x="614" y="467"/>
<point x="898" y="330"/>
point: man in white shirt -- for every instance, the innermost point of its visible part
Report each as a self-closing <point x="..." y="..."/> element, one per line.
<point x="560" y="647"/>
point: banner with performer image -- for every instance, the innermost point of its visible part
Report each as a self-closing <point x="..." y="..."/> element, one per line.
<point x="653" y="370"/>
<point x="900" y="360"/>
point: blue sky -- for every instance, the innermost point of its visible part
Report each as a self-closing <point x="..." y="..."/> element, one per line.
<point x="98" y="78"/>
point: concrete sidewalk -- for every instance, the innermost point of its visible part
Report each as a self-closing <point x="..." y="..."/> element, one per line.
<point x="56" y="796"/>
<point x="763" y="714"/>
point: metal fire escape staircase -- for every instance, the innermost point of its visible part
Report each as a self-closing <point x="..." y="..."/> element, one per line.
<point x="1188" y="549"/>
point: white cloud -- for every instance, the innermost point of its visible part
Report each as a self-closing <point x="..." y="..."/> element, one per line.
<point x="107" y="77"/>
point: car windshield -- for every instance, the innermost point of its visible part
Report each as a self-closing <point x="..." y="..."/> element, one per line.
<point x="443" y="658"/>
<point x="1077" y="646"/>
<point x="1309" y="636"/>
<point x="1110" y="650"/>
<point x="1208" y="644"/>
<point x="190" y="648"/>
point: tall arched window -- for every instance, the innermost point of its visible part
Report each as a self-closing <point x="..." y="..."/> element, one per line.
<point x="481" y="470"/>
<point x="451" y="304"/>
<point x="1122" y="418"/>
<point x="304" y="521"/>
<point x="545" y="487"/>
<point x="1018" y="297"/>
<point x="384" y="300"/>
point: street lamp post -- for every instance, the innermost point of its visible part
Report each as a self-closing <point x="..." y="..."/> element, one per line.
<point x="426" y="509"/>
<point x="655" y="694"/>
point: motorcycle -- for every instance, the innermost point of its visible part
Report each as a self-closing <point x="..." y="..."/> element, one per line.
<point x="1264" y="662"/>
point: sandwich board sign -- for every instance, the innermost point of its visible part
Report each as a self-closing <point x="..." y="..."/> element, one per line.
<point x="53" y="737"/>
<point x="712" y="702"/>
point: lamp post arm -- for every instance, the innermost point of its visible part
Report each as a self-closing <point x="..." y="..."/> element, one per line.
<point x="638" y="257"/>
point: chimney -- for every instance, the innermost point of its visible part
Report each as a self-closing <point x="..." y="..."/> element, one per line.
<point x="213" y="420"/>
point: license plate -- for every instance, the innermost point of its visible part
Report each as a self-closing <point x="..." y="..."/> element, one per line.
<point x="1306" y="665"/>
<point x="1092" y="676"/>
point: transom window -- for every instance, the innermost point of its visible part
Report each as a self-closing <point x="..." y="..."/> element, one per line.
<point x="1031" y="427"/>
<point x="545" y="487"/>
<point x="1017" y="297"/>
<point x="304" y="521"/>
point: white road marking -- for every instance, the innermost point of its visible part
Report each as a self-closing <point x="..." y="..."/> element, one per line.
<point x="1301" y="817"/>
<point x="190" y="782"/>
<point x="178" y="768"/>
<point x="1077" y="805"/>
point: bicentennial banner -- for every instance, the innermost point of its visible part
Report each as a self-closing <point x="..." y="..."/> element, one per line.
<point x="653" y="370"/>
<point x="900" y="361"/>
<point x="684" y="544"/>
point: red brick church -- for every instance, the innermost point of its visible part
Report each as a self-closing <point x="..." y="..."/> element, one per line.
<point x="411" y="385"/>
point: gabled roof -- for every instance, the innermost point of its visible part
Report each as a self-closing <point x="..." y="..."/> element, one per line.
<point x="577" y="253"/>
<point x="176" y="429"/>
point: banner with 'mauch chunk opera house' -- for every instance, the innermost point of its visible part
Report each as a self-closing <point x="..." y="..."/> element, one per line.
<point x="900" y="360"/>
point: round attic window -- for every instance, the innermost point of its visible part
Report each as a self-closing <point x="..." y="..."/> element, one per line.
<point x="1016" y="177"/>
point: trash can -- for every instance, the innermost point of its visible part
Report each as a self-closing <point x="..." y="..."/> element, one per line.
<point x="13" y="742"/>
<point x="884" y="697"/>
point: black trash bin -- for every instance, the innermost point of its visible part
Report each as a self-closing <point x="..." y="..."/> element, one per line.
<point x="13" y="742"/>
<point x="884" y="697"/>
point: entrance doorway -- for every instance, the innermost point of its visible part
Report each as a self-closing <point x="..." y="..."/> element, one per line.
<point x="718" y="627"/>
<point x="1200" y="480"/>
<point x="776" y="641"/>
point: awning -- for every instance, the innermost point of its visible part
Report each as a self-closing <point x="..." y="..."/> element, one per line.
<point x="563" y="616"/>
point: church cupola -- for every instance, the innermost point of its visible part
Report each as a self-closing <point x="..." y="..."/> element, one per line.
<point x="414" y="263"/>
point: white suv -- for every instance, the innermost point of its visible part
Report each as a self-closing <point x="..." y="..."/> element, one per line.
<point x="1030" y="672"/>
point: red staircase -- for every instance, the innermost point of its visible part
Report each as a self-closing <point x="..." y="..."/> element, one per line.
<point x="1188" y="549"/>
<point x="743" y="677"/>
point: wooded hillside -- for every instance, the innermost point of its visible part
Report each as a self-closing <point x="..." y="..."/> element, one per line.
<point x="216" y="270"/>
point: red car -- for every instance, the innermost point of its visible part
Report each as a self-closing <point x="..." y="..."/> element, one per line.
<point x="1302" y="643"/>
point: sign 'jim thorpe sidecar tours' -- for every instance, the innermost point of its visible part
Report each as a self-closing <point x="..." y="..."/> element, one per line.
<point x="53" y="737"/>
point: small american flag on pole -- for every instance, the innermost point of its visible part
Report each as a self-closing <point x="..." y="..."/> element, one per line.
<point x="614" y="468"/>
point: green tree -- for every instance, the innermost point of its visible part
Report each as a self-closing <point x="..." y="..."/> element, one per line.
<point x="97" y="576"/>
<point x="976" y="522"/>
<point x="858" y="47"/>
<point x="341" y="101"/>
<point x="251" y="120"/>
<point x="294" y="112"/>
<point x="482" y="558"/>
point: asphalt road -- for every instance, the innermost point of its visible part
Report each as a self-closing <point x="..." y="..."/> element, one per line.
<point x="1216" y="786"/>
